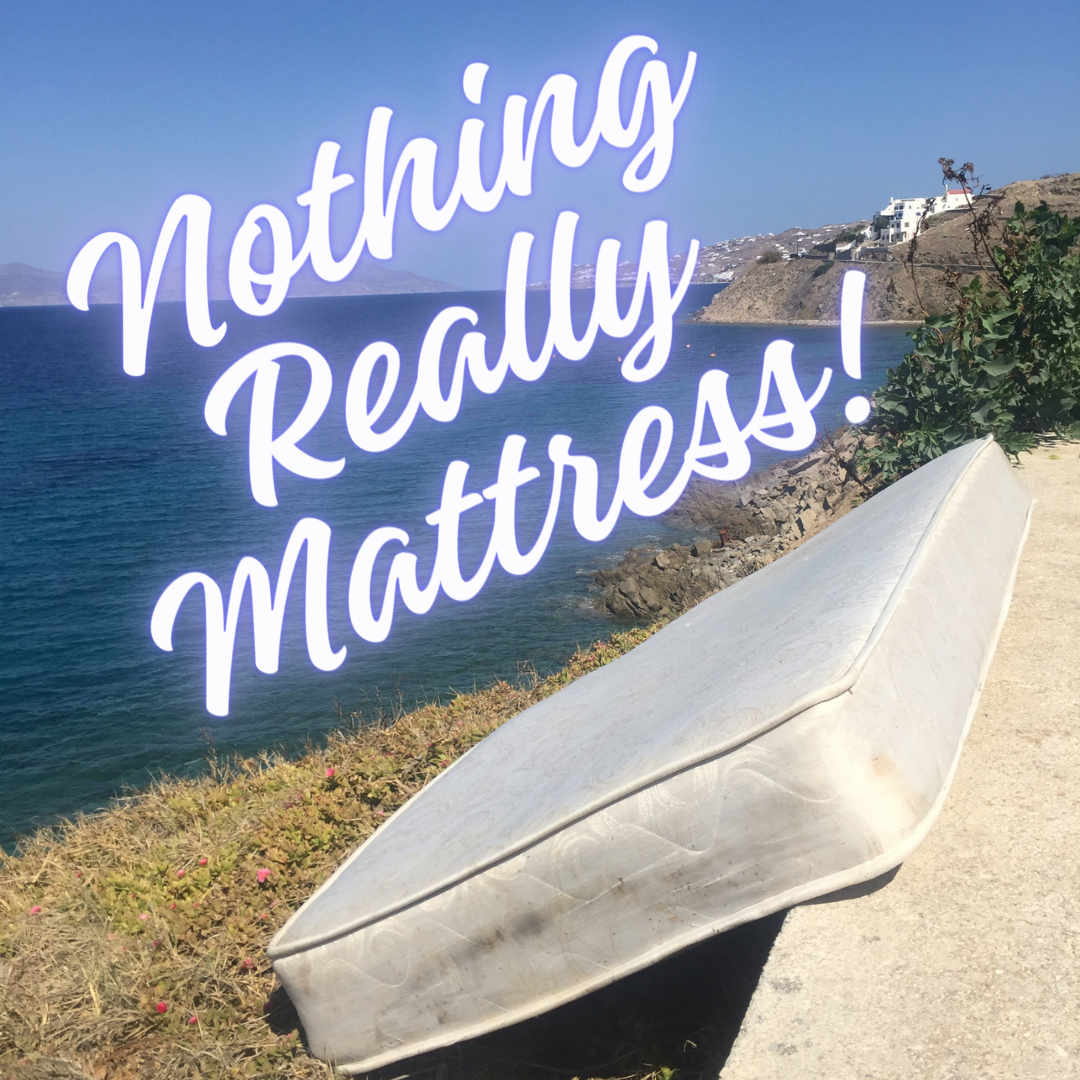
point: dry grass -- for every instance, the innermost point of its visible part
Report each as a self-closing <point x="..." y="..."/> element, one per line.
<point x="133" y="942"/>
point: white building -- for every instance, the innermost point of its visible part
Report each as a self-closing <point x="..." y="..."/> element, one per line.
<point x="899" y="220"/>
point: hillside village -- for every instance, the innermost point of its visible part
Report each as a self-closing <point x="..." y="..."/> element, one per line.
<point x="727" y="260"/>
<point x="897" y="222"/>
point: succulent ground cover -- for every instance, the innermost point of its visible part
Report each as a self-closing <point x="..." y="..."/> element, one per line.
<point x="133" y="941"/>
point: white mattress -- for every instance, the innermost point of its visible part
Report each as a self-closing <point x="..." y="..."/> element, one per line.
<point x="794" y="734"/>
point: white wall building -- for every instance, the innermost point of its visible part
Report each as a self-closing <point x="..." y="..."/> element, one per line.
<point x="899" y="220"/>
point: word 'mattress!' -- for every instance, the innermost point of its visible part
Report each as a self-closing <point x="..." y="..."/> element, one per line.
<point x="635" y="477"/>
<point x="376" y="373"/>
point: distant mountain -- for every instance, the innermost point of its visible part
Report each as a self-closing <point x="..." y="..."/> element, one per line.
<point x="27" y="286"/>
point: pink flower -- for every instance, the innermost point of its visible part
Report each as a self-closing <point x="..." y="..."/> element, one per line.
<point x="162" y="1008"/>
<point x="248" y="963"/>
<point x="203" y="862"/>
<point x="262" y="874"/>
<point x="330" y="772"/>
<point x="195" y="903"/>
<point x="156" y="944"/>
<point x="181" y="872"/>
<point x="193" y="1020"/>
<point x="144" y="916"/>
<point x="36" y="909"/>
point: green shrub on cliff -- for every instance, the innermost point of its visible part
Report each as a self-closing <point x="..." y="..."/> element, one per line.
<point x="1005" y="362"/>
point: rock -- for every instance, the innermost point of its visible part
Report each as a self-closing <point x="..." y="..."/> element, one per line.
<point x="755" y="521"/>
<point x="650" y="599"/>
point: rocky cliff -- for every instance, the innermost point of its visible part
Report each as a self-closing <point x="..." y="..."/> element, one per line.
<point x="808" y="291"/>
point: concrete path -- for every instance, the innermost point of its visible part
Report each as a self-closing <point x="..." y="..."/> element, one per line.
<point x="967" y="964"/>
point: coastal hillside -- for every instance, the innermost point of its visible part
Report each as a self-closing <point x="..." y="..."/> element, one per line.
<point x="808" y="289"/>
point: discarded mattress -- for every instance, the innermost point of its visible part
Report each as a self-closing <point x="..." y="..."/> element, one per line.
<point x="794" y="734"/>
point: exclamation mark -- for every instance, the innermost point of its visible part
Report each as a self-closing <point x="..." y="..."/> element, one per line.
<point x="851" y="299"/>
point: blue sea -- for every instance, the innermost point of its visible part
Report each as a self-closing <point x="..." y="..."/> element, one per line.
<point x="112" y="486"/>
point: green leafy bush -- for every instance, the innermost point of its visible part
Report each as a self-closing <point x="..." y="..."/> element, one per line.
<point x="1005" y="362"/>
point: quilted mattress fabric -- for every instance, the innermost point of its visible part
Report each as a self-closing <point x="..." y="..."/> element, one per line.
<point x="793" y="734"/>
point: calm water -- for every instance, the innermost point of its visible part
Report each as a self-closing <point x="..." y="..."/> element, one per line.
<point x="111" y="487"/>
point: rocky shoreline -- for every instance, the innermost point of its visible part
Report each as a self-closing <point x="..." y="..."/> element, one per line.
<point x="743" y="526"/>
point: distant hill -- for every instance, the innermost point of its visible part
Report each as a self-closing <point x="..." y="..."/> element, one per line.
<point x="808" y="290"/>
<point x="724" y="261"/>
<point x="27" y="286"/>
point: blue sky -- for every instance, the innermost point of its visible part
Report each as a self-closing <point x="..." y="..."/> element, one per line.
<point x="800" y="113"/>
